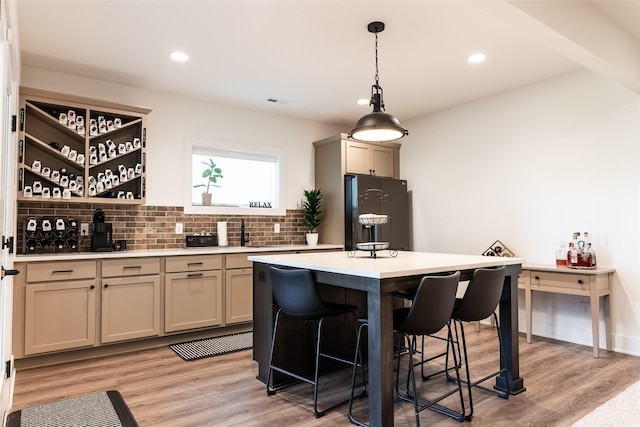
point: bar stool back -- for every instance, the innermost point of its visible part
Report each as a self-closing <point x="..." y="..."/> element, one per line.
<point x="296" y="294"/>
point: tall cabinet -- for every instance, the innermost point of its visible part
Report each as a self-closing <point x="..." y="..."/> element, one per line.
<point x="74" y="149"/>
<point x="338" y="156"/>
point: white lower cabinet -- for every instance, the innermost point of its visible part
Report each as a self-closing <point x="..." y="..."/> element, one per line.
<point x="130" y="299"/>
<point x="59" y="315"/>
<point x="130" y="308"/>
<point x="193" y="292"/>
<point x="238" y="295"/>
<point x="192" y="300"/>
<point x="238" y="286"/>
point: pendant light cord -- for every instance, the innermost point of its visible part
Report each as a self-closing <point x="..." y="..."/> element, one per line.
<point x="376" y="77"/>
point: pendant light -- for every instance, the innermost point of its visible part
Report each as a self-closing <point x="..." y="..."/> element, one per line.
<point x="377" y="126"/>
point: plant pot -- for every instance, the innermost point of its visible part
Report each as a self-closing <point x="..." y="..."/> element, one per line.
<point x="312" y="239"/>
<point x="206" y="199"/>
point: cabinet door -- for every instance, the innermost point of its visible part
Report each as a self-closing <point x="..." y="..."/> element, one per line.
<point x="192" y="300"/>
<point x="357" y="158"/>
<point x="382" y="160"/>
<point x="59" y="316"/>
<point x="370" y="159"/>
<point x="239" y="296"/>
<point x="130" y="308"/>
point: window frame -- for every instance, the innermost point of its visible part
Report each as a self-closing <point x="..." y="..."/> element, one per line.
<point x="189" y="208"/>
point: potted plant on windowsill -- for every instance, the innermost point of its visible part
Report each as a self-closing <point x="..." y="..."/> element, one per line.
<point x="312" y="213"/>
<point x="212" y="173"/>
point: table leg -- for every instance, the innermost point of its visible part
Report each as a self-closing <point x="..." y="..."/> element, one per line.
<point x="528" y="307"/>
<point x="595" y="321"/>
<point x="607" y="321"/>
<point x="509" y="331"/>
<point x="380" y="319"/>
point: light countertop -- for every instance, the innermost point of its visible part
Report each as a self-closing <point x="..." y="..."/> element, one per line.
<point x="555" y="269"/>
<point x="384" y="266"/>
<point x="211" y="250"/>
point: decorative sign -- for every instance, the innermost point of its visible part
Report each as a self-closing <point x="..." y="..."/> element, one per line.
<point x="260" y="204"/>
<point x="498" y="249"/>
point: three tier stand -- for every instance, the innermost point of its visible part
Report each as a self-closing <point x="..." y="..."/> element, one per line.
<point x="372" y="221"/>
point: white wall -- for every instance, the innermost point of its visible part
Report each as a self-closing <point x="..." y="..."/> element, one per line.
<point x="174" y="117"/>
<point x="529" y="167"/>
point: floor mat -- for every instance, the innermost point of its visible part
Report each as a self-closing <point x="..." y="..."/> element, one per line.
<point x="104" y="409"/>
<point x="208" y="347"/>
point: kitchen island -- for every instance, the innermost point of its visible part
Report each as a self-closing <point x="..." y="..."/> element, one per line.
<point x="378" y="278"/>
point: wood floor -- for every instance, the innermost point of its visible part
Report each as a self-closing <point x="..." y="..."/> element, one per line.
<point x="563" y="381"/>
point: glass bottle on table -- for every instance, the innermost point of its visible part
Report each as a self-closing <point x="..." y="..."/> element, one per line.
<point x="593" y="256"/>
<point x="572" y="255"/>
<point x="561" y="255"/>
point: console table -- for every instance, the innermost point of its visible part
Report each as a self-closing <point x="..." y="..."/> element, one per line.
<point x="563" y="280"/>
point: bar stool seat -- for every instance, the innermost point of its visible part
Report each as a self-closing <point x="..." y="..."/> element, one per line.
<point x="296" y="294"/>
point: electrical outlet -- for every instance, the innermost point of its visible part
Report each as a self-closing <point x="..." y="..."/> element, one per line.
<point x="276" y="227"/>
<point x="84" y="229"/>
<point x="584" y="307"/>
<point x="179" y="228"/>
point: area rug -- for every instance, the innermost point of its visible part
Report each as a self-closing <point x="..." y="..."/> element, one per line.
<point x="104" y="409"/>
<point x="208" y="347"/>
<point x="619" y="411"/>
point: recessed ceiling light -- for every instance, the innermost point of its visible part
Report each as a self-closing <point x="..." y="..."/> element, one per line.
<point x="364" y="101"/>
<point x="179" y="56"/>
<point x="476" y="58"/>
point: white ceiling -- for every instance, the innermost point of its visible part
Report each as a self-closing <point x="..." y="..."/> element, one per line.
<point x="319" y="55"/>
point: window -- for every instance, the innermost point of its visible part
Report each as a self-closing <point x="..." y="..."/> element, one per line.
<point x="251" y="181"/>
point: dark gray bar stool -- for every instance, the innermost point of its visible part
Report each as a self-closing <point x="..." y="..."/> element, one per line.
<point x="430" y="311"/>
<point x="480" y="301"/>
<point x="296" y="294"/>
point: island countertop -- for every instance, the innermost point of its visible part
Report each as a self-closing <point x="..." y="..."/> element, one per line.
<point x="384" y="265"/>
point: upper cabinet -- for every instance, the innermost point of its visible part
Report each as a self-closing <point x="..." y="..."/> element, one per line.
<point x="74" y="149"/>
<point x="370" y="159"/>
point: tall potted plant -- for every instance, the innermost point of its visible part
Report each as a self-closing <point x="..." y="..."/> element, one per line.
<point x="212" y="173"/>
<point x="312" y="213"/>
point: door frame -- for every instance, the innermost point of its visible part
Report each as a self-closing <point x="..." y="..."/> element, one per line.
<point x="9" y="88"/>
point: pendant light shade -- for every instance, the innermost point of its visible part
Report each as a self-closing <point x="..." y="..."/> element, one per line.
<point x="377" y="125"/>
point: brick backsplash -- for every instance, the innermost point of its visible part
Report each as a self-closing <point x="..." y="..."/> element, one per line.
<point x="153" y="227"/>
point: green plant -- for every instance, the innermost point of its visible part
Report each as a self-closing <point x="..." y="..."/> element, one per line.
<point x="212" y="173"/>
<point x="312" y="209"/>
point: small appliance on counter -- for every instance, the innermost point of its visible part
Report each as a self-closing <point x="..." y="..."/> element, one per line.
<point x="101" y="240"/>
<point x="202" y="240"/>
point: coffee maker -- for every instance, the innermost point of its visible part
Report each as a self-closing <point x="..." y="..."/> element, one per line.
<point x="101" y="236"/>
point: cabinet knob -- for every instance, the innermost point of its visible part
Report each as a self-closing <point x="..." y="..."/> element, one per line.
<point x="537" y="277"/>
<point x="106" y="285"/>
<point x="92" y="287"/>
<point x="580" y="281"/>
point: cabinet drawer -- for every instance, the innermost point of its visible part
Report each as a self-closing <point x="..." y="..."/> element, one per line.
<point x="130" y="267"/>
<point x="178" y="264"/>
<point x="559" y="280"/>
<point x="238" y="261"/>
<point x="70" y="270"/>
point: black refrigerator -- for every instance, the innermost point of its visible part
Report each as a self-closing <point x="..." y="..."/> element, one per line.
<point x="367" y="194"/>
